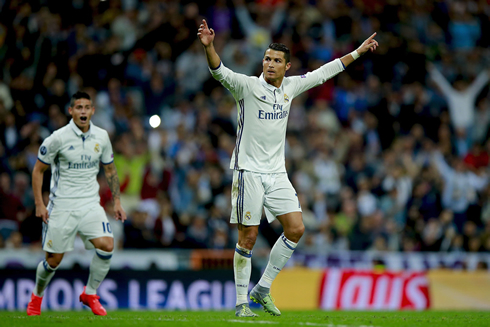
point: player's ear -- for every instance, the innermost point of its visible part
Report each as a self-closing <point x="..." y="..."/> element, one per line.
<point x="288" y="65"/>
<point x="70" y="110"/>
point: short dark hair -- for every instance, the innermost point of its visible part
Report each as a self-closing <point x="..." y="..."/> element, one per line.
<point x="281" y="47"/>
<point x="77" y="96"/>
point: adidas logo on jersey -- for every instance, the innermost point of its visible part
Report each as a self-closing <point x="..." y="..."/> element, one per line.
<point x="71" y="147"/>
<point x="263" y="97"/>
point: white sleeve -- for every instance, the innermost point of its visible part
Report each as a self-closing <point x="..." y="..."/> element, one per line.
<point x="246" y="22"/>
<point x="478" y="182"/>
<point x="107" y="154"/>
<point x="441" y="82"/>
<point x="49" y="149"/>
<point x="238" y="84"/>
<point x="318" y="76"/>
<point x="444" y="169"/>
<point x="480" y="81"/>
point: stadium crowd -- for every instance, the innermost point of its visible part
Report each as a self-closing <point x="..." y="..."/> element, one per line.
<point x="391" y="155"/>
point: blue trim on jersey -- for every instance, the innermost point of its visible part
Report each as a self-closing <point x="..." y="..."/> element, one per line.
<point x="241" y="122"/>
<point x="243" y="253"/>
<point x="285" y="240"/>
<point x="102" y="256"/>
<point x="243" y="194"/>
<point x="45" y="226"/>
<point x="240" y="186"/>
<point x="107" y="163"/>
<point x="43" y="162"/>
<point x="216" y="67"/>
<point x="238" y="211"/>
<point x="56" y="176"/>
<point x="45" y="231"/>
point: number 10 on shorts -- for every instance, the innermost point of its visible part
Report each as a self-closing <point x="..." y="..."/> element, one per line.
<point x="108" y="228"/>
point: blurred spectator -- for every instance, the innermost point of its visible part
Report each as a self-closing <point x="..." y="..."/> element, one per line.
<point x="461" y="97"/>
<point x="460" y="187"/>
<point x="137" y="235"/>
<point x="12" y="211"/>
<point x="191" y="70"/>
<point x="198" y="235"/>
<point x="258" y="31"/>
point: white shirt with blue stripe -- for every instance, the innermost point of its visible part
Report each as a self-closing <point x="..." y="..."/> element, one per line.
<point x="74" y="157"/>
<point x="263" y="112"/>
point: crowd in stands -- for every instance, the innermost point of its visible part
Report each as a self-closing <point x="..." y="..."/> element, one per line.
<point x="390" y="155"/>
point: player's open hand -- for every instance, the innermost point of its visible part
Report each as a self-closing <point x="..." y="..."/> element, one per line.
<point x="205" y="34"/>
<point x="42" y="212"/>
<point x="369" y="45"/>
<point x="119" y="212"/>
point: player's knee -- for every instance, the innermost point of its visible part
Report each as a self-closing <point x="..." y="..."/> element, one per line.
<point x="107" y="247"/>
<point x="105" y="244"/>
<point x="54" y="262"/>
<point x="295" y="233"/>
<point x="248" y="241"/>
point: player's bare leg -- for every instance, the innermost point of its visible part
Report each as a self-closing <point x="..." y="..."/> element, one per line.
<point x="44" y="273"/>
<point x="281" y="252"/>
<point x="99" y="267"/>
<point x="242" y="268"/>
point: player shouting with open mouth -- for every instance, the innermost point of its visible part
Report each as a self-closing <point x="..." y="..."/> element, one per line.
<point x="74" y="153"/>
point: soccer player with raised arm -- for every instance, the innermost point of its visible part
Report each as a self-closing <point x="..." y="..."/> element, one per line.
<point x="74" y="153"/>
<point x="259" y="179"/>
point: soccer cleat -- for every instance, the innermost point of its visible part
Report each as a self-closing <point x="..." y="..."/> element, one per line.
<point x="266" y="300"/>
<point x="243" y="310"/>
<point x="92" y="301"/>
<point x="34" y="306"/>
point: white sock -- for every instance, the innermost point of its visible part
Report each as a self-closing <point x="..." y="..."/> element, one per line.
<point x="99" y="267"/>
<point x="280" y="254"/>
<point x="242" y="268"/>
<point x="44" y="273"/>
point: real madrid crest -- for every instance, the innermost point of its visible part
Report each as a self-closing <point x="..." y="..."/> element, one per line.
<point x="97" y="148"/>
<point x="248" y="216"/>
<point x="286" y="98"/>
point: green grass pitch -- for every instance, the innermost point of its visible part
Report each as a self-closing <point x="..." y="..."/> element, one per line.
<point x="221" y="318"/>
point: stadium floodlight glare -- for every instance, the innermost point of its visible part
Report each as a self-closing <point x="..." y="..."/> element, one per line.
<point x="155" y="121"/>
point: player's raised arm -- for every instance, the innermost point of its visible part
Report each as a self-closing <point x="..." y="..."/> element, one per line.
<point x="37" y="185"/>
<point x="370" y="44"/>
<point x="206" y="36"/>
<point x="113" y="181"/>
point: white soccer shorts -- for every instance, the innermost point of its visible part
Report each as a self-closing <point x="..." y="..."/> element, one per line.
<point x="62" y="227"/>
<point x="252" y="192"/>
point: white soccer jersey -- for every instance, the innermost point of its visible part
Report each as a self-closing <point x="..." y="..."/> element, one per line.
<point x="263" y="112"/>
<point x="74" y="158"/>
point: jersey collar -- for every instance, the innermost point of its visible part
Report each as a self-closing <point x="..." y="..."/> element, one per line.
<point x="78" y="131"/>
<point x="267" y="85"/>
